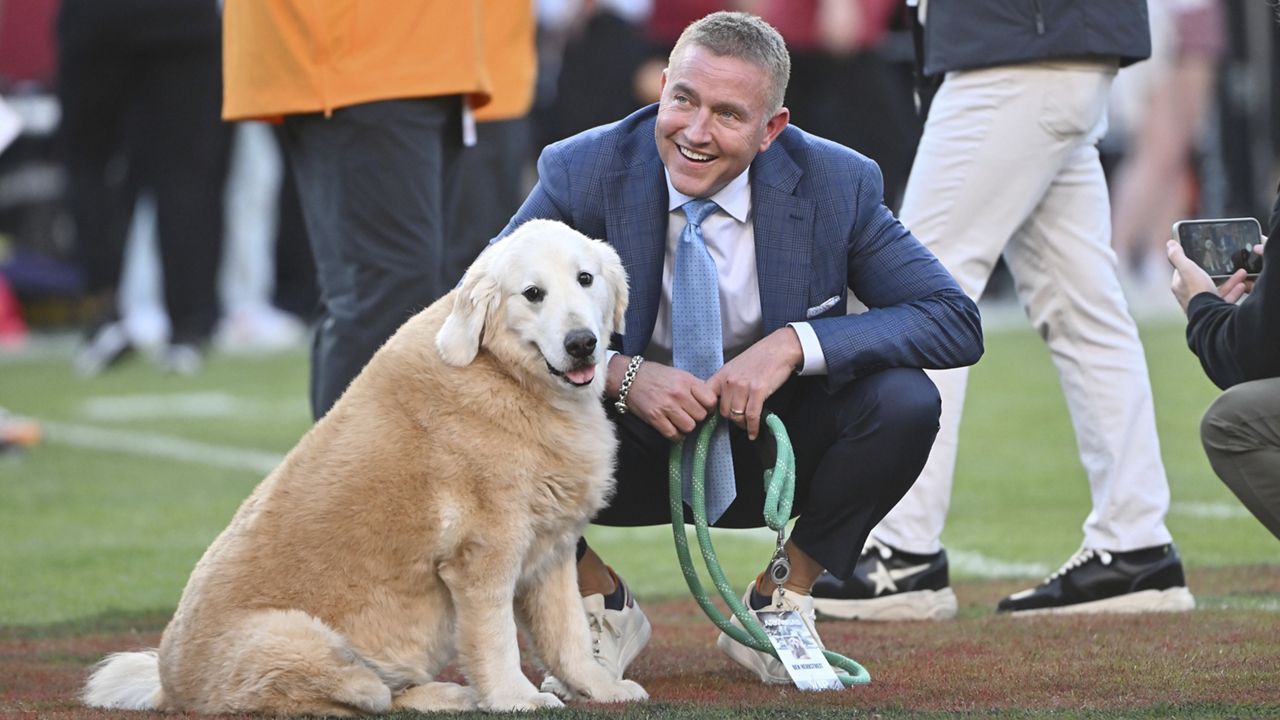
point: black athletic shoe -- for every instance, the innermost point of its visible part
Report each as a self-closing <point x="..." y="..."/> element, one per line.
<point x="888" y="584"/>
<point x="1097" y="581"/>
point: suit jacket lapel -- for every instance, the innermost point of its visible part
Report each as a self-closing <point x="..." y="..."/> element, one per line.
<point x="783" y="236"/>
<point x="636" y="223"/>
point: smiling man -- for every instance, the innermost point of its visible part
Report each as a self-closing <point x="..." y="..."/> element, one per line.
<point x="743" y="237"/>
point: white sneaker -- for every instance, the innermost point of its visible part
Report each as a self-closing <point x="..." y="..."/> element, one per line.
<point x="107" y="346"/>
<point x="181" y="359"/>
<point x="258" y="329"/>
<point x="767" y="667"/>
<point x="617" y="636"/>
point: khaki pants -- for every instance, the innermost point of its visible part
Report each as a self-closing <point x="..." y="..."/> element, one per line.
<point x="1008" y="166"/>
<point x="1241" y="435"/>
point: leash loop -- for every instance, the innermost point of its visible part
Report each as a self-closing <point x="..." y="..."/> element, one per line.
<point x="780" y="483"/>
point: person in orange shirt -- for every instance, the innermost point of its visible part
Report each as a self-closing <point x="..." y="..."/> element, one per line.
<point x="376" y="99"/>
<point x="493" y="174"/>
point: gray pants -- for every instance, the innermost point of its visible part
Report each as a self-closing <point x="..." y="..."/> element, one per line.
<point x="1241" y="435"/>
<point x="376" y="183"/>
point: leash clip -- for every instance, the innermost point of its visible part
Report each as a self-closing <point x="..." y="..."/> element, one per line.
<point x="779" y="567"/>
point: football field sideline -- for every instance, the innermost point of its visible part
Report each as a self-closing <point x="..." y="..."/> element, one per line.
<point x="178" y="449"/>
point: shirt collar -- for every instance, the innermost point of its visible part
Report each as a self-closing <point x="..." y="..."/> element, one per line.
<point x="734" y="198"/>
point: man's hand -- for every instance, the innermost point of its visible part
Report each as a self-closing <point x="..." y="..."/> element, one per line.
<point x="672" y="401"/>
<point x="1235" y="287"/>
<point x="746" y="381"/>
<point x="1189" y="279"/>
<point x="1228" y="289"/>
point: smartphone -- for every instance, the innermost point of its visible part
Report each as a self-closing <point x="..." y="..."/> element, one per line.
<point x="1221" y="246"/>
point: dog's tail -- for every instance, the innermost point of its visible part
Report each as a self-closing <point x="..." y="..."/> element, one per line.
<point x="126" y="681"/>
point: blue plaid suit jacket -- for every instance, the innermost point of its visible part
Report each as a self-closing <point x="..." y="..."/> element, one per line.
<point x="821" y="231"/>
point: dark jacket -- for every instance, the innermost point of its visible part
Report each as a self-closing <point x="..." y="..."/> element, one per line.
<point x="968" y="34"/>
<point x="1239" y="343"/>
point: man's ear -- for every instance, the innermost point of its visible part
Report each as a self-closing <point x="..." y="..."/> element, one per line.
<point x="774" y="127"/>
<point x="459" y="338"/>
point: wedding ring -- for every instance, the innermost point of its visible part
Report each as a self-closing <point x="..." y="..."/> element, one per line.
<point x="737" y="412"/>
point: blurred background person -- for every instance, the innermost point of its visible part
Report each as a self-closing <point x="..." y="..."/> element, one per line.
<point x="13" y="329"/>
<point x="591" y="57"/>
<point x="844" y="87"/>
<point x="33" y="222"/>
<point x="296" y="290"/>
<point x="265" y="284"/>
<point x="1159" y="112"/>
<point x="262" y="216"/>
<point x="139" y="88"/>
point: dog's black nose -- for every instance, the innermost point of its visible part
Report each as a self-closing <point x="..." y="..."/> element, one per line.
<point x="580" y="343"/>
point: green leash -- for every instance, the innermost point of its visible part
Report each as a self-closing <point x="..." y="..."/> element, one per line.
<point x="780" y="485"/>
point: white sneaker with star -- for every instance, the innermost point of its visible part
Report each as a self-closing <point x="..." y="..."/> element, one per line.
<point x="617" y="637"/>
<point x="767" y="667"/>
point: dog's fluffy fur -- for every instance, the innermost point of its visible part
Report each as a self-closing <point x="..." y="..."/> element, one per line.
<point x="431" y="512"/>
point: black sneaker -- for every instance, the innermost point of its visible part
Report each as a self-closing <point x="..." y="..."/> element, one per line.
<point x="1097" y="581"/>
<point x="888" y="584"/>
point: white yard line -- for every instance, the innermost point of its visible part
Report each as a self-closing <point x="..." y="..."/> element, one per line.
<point x="166" y="447"/>
<point x="975" y="564"/>
<point x="164" y="406"/>
<point x="125" y="408"/>
<point x="1211" y="511"/>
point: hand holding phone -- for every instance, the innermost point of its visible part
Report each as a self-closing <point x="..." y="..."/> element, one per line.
<point x="1221" y="246"/>
<point x="1189" y="279"/>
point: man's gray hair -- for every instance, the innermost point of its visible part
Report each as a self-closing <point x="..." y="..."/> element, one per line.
<point x="744" y="36"/>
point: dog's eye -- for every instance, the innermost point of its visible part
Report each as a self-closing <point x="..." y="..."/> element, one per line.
<point x="584" y="279"/>
<point x="533" y="294"/>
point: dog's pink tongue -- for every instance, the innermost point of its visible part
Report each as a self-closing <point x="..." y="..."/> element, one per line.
<point x="582" y="375"/>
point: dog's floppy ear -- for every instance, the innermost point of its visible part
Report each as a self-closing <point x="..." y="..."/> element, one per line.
<point x="616" y="276"/>
<point x="459" y="338"/>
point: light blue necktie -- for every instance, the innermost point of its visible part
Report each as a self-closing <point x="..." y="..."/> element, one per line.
<point x="697" y="347"/>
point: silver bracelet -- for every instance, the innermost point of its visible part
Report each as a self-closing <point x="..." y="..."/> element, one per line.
<point x="625" y="387"/>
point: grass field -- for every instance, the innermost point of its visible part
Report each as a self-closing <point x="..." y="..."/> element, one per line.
<point x="101" y="523"/>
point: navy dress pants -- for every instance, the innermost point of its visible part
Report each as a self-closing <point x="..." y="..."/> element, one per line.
<point x="376" y="184"/>
<point x="858" y="450"/>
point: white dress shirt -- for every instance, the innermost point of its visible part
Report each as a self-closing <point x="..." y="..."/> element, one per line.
<point x="730" y="237"/>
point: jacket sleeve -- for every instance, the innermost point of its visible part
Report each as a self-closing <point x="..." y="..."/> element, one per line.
<point x="1239" y="343"/>
<point x="917" y="314"/>
<point x="549" y="198"/>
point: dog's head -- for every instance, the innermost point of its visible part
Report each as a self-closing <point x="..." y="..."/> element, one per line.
<point x="546" y="295"/>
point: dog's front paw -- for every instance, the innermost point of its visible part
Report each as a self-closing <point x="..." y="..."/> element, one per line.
<point x="619" y="691"/>
<point x="529" y="702"/>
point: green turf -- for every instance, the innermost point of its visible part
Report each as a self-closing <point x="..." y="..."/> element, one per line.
<point x="1020" y="492"/>
<point x="87" y="531"/>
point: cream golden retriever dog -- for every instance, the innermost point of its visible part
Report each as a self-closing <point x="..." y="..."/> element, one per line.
<point x="431" y="512"/>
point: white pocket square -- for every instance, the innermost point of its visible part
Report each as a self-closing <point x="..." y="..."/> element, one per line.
<point x="826" y="305"/>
